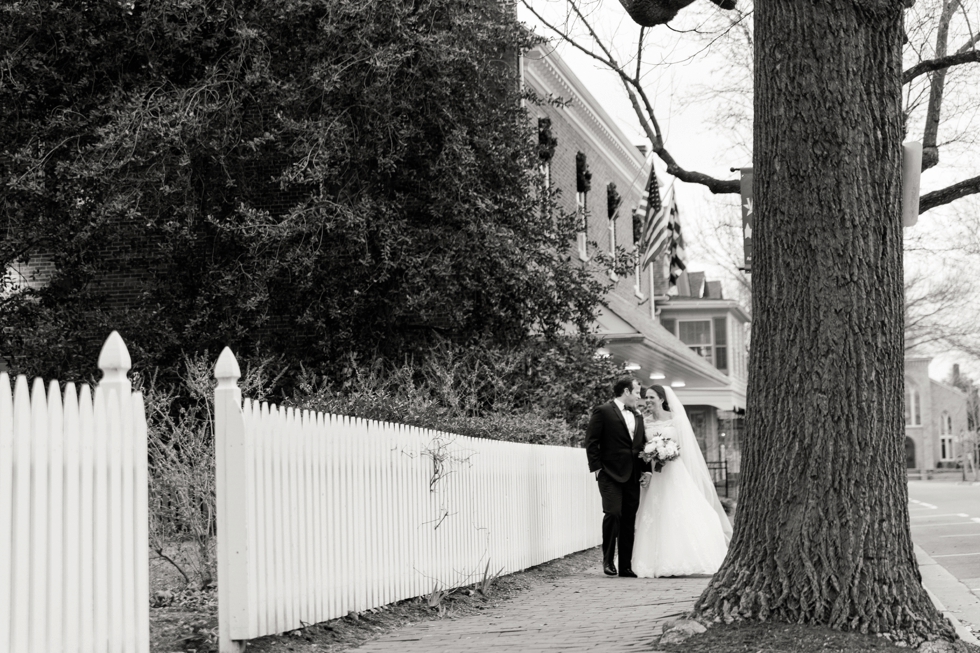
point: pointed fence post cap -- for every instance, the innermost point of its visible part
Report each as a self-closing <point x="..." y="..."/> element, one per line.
<point x="115" y="356"/>
<point x="226" y="369"/>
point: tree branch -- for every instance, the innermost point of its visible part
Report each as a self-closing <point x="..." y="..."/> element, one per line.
<point x="949" y="194"/>
<point x="644" y="113"/>
<point x="923" y="67"/>
<point x="937" y="86"/>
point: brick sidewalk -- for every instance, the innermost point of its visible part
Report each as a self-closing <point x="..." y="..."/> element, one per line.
<point x="585" y="611"/>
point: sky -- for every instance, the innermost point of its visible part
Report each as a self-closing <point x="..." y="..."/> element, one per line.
<point x="689" y="75"/>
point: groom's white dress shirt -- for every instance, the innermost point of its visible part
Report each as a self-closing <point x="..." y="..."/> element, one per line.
<point x="627" y="415"/>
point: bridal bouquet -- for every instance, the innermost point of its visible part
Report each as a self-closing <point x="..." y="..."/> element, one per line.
<point x="660" y="450"/>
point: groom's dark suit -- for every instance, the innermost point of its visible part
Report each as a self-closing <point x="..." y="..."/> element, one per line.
<point x="615" y="455"/>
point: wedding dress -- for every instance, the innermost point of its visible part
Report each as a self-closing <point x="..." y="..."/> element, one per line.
<point x="681" y="527"/>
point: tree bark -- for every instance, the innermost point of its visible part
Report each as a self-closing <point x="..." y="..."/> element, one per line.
<point x="822" y="533"/>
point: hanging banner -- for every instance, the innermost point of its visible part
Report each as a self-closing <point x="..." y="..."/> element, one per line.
<point x="748" y="217"/>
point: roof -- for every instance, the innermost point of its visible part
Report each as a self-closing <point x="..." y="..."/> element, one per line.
<point x="944" y="386"/>
<point x="653" y="345"/>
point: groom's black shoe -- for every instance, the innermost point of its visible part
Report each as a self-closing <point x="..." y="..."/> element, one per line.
<point x="627" y="573"/>
<point x="609" y="569"/>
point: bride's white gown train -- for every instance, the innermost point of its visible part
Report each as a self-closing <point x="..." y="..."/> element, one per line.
<point x="678" y="531"/>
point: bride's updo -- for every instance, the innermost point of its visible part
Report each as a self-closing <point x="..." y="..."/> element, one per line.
<point x="659" y="389"/>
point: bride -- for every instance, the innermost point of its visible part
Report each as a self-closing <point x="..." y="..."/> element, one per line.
<point x="681" y="527"/>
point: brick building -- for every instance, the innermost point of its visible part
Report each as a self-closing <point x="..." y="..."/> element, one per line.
<point x="633" y="317"/>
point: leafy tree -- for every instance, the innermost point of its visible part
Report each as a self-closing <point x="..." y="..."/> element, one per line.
<point x="298" y="178"/>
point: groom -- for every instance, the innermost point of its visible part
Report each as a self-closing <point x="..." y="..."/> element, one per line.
<point x="612" y="444"/>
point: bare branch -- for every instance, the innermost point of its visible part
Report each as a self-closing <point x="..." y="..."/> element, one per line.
<point x="930" y="65"/>
<point x="644" y="111"/>
<point x="949" y="194"/>
<point x="937" y="85"/>
<point x="966" y="47"/>
<point x="639" y="52"/>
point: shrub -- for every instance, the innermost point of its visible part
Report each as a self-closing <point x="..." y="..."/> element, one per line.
<point x="180" y="442"/>
<point x="541" y="392"/>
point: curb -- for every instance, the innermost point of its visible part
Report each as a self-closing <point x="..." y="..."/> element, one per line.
<point x="938" y="582"/>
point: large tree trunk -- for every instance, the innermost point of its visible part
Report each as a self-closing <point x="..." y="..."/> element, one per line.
<point x="822" y="531"/>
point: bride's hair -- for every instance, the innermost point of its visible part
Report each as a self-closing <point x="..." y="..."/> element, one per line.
<point x="660" y="393"/>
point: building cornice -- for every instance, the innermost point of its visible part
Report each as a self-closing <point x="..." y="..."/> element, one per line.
<point x="678" y="304"/>
<point x="547" y="73"/>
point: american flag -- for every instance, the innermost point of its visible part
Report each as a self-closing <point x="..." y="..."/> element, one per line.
<point x="676" y="247"/>
<point x="654" y="220"/>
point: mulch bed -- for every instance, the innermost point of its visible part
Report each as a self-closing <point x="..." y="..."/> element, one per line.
<point x="787" y="638"/>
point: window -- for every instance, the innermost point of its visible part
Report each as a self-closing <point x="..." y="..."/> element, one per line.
<point x="638" y="285"/>
<point x="583" y="183"/>
<point x="697" y="336"/>
<point x="612" y="210"/>
<point x="913" y="410"/>
<point x="721" y="343"/>
<point x="946" y="448"/>
<point x="582" y="205"/>
<point x="946" y="437"/>
<point x="699" y="424"/>
<point x="706" y="338"/>
<point x="546" y="148"/>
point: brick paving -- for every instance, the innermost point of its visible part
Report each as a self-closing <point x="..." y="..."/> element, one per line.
<point x="580" y="612"/>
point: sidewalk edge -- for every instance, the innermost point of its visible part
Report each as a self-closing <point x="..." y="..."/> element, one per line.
<point x="952" y="584"/>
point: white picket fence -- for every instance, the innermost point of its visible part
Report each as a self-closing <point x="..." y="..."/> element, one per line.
<point x="320" y="515"/>
<point x="74" y="563"/>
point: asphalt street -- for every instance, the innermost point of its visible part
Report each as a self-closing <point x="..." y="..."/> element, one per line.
<point x="945" y="520"/>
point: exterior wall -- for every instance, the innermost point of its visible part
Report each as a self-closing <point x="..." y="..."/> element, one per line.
<point x="952" y="402"/>
<point x="917" y="372"/>
<point x="582" y="126"/>
<point x="935" y="399"/>
<point x="30" y="274"/>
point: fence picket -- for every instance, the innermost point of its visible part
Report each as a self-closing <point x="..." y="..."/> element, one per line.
<point x="37" y="558"/>
<point x="142" y="520"/>
<point x="346" y="514"/>
<point x="86" y="596"/>
<point x="269" y="524"/>
<point x="22" y="523"/>
<point x="253" y="465"/>
<point x="55" y="505"/>
<point x="7" y="515"/>
<point x="115" y="509"/>
<point x="7" y="453"/>
<point x="55" y="517"/>
<point x="72" y="536"/>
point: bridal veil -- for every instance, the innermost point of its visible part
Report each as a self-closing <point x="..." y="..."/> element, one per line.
<point x="693" y="460"/>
